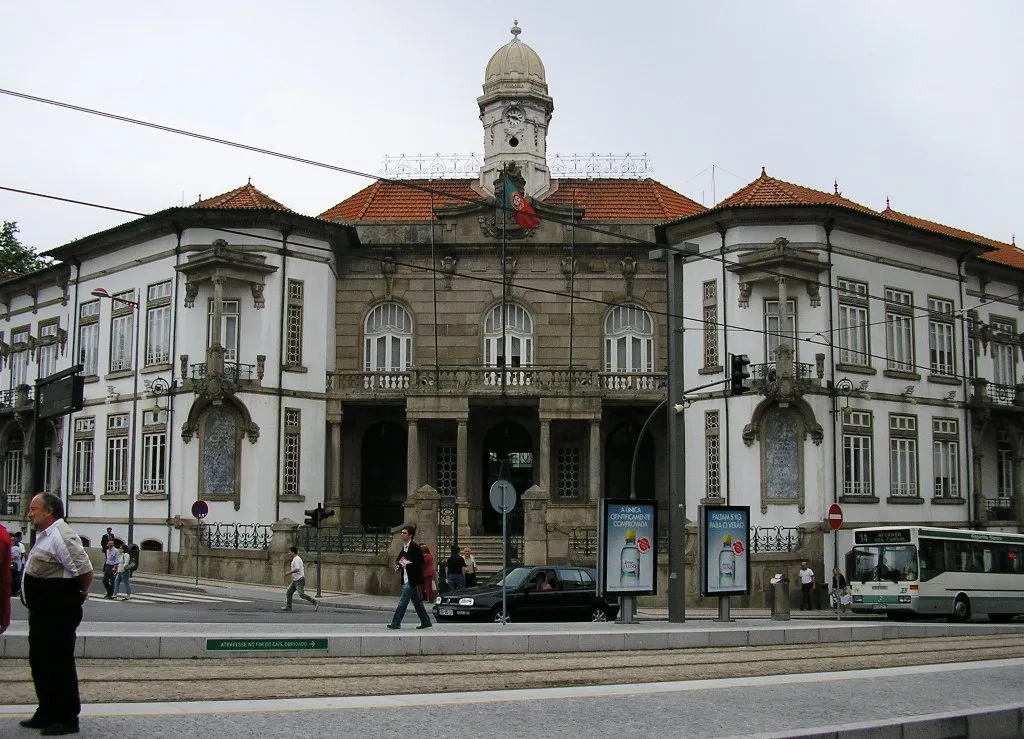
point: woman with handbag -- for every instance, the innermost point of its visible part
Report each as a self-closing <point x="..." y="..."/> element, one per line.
<point x="840" y="592"/>
<point x="429" y="571"/>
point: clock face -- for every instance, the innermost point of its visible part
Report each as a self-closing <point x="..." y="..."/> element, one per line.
<point x="514" y="116"/>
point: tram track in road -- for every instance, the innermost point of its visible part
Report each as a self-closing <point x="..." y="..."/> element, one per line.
<point x="289" y="677"/>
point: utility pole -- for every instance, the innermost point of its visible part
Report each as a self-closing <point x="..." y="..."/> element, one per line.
<point x="674" y="256"/>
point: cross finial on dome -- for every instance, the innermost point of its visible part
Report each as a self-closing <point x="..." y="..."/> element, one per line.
<point x="887" y="202"/>
<point x="516" y="30"/>
<point x="835" y="186"/>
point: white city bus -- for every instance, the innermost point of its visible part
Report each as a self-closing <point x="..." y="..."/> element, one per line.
<point x="919" y="570"/>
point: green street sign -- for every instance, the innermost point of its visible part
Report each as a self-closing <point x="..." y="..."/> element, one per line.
<point x="263" y="645"/>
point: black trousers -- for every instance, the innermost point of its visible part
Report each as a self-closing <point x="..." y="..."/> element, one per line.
<point x="55" y="610"/>
<point x="805" y="595"/>
<point x="108" y="579"/>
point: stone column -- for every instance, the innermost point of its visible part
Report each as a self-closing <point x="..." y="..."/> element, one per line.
<point x="544" y="463"/>
<point x="413" y="457"/>
<point x="462" y="476"/>
<point x="980" y="514"/>
<point x="594" y="475"/>
<point x="535" y="518"/>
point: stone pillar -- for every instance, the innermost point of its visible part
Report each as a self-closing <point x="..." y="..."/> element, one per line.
<point x="413" y="457"/>
<point x="980" y="514"/>
<point x="421" y="511"/>
<point x="284" y="536"/>
<point x="594" y="474"/>
<point x="215" y="352"/>
<point x="535" y="520"/>
<point x="544" y="463"/>
<point x="462" y="476"/>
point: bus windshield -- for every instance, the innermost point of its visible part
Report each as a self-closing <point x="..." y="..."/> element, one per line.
<point x="892" y="562"/>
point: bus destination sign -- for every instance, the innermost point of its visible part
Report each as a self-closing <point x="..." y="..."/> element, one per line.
<point x="882" y="536"/>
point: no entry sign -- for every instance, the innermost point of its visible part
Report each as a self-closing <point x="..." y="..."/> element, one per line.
<point x="835" y="516"/>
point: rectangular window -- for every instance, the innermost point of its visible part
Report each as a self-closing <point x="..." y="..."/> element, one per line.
<point x="711" y="323"/>
<point x="154" y="462"/>
<point x="941" y="352"/>
<point x="292" y="444"/>
<point x="89" y="337"/>
<point x="117" y="454"/>
<point x="1004" y="361"/>
<point x="293" y="331"/>
<point x="158" y="323"/>
<point x="853" y="323"/>
<point x="122" y="336"/>
<point x="228" y="328"/>
<point x="712" y="455"/>
<point x="47" y="352"/>
<point x="946" y="457"/>
<point x="899" y="330"/>
<point x="903" y="456"/>
<point x="13" y="472"/>
<point x="19" y="357"/>
<point x="568" y="472"/>
<point x="1004" y="465"/>
<point x="775" y="332"/>
<point x="81" y="483"/>
<point x="857" y="454"/>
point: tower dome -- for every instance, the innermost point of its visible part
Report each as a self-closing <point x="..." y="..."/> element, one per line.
<point x="515" y="66"/>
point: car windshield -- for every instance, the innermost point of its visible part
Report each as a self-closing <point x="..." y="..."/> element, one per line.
<point x="515" y="576"/>
<point x="893" y="562"/>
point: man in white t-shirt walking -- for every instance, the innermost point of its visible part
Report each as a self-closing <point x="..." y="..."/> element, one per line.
<point x="806" y="575"/>
<point x="298" y="584"/>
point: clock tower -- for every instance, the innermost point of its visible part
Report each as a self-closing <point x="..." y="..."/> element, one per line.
<point x="515" y="110"/>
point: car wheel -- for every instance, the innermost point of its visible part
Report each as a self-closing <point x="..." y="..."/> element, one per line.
<point x="961" y="609"/>
<point x="500" y="617"/>
<point x="598" y="615"/>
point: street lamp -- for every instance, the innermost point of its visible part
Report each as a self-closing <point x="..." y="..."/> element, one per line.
<point x="100" y="292"/>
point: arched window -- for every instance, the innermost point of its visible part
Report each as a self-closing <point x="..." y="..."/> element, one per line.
<point x="628" y="344"/>
<point x="388" y="345"/>
<point x="517" y="349"/>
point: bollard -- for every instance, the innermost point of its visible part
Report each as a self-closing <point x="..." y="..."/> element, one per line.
<point x="780" y="600"/>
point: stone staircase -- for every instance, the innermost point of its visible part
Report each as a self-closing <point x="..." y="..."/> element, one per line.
<point x="486" y="551"/>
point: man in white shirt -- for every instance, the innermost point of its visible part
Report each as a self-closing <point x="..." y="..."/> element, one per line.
<point x="17" y="563"/>
<point x="806" y="575"/>
<point x="298" y="584"/>
<point x="57" y="579"/>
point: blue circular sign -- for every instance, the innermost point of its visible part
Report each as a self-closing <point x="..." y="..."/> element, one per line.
<point x="200" y="509"/>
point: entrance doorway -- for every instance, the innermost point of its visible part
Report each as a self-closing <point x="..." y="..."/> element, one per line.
<point x="508" y="454"/>
<point x="383" y="486"/>
<point x="618" y="455"/>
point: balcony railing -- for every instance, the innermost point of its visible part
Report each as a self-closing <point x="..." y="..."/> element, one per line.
<point x="1003" y="508"/>
<point x="236" y="535"/>
<point x="234" y="371"/>
<point x="18" y="397"/>
<point x="767" y="371"/>
<point x="481" y="380"/>
<point x="1002" y="394"/>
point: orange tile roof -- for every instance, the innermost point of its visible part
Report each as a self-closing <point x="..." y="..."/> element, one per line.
<point x="768" y="191"/>
<point x="245" y="196"/>
<point x="601" y="199"/>
<point x="895" y="215"/>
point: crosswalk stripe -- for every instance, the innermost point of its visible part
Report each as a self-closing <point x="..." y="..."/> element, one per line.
<point x="171" y="598"/>
<point x="208" y="598"/>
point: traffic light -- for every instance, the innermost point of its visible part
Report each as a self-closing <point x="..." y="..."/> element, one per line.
<point x="740" y="365"/>
<point x="315" y="516"/>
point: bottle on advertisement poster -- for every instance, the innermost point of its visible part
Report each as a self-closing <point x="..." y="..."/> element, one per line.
<point x="629" y="562"/>
<point x="727" y="562"/>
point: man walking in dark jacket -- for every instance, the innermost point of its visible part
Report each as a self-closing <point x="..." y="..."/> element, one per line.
<point x="409" y="563"/>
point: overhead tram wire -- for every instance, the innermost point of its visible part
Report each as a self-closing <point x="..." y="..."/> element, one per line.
<point x="177" y="218"/>
<point x="400" y="183"/>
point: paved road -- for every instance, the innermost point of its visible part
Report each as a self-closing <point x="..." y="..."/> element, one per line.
<point x="731" y="707"/>
<point x="154" y="602"/>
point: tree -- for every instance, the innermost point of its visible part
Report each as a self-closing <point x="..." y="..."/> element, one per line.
<point x="15" y="257"/>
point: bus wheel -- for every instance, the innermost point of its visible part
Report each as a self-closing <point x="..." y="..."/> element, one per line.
<point x="961" y="609"/>
<point x="1000" y="618"/>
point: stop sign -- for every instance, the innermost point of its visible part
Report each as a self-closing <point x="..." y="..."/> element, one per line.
<point x="835" y="516"/>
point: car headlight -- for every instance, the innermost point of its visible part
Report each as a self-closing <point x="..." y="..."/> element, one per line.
<point x="904" y="599"/>
<point x="858" y="599"/>
<point x="465" y="601"/>
<point x="437" y="600"/>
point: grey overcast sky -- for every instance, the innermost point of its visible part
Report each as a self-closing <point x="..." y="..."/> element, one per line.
<point x="917" y="100"/>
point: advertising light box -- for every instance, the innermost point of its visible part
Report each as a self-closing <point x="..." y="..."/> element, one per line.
<point x="629" y="542"/>
<point x="724" y="550"/>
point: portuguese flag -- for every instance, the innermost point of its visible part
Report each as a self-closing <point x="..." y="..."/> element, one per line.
<point x="522" y="211"/>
